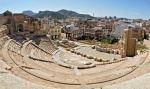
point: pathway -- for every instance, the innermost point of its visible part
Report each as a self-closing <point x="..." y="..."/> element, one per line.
<point x="80" y="79"/>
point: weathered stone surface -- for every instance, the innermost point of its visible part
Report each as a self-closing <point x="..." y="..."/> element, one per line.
<point x="17" y="23"/>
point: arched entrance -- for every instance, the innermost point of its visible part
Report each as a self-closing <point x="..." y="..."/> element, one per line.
<point x="20" y="28"/>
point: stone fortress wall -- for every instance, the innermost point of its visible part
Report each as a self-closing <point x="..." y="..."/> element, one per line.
<point x="19" y="23"/>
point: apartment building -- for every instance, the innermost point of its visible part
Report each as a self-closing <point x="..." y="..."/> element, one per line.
<point x="55" y="31"/>
<point x="52" y="28"/>
<point x="96" y="32"/>
<point x="126" y="24"/>
<point x="119" y="27"/>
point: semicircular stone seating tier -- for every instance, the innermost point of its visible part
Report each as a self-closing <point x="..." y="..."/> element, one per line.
<point x="117" y="72"/>
<point x="19" y="60"/>
<point x="47" y="46"/>
<point x="114" y="74"/>
<point x="48" y="70"/>
<point x="35" y="52"/>
<point x="37" y="62"/>
<point x="3" y="40"/>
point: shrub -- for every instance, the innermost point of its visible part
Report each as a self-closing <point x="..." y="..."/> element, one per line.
<point x="112" y="40"/>
<point x="141" y="47"/>
<point x="109" y="40"/>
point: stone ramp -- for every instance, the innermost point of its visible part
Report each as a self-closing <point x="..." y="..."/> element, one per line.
<point x="80" y="79"/>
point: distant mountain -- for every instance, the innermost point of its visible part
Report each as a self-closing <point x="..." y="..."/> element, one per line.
<point x="69" y="13"/>
<point x="29" y="13"/>
<point x="53" y="14"/>
<point x="60" y="14"/>
<point x="1" y="14"/>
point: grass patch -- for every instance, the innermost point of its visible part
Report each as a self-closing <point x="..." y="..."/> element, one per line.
<point x="141" y="46"/>
<point x="110" y="40"/>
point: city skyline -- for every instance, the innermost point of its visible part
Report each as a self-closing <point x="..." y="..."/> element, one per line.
<point x="133" y="9"/>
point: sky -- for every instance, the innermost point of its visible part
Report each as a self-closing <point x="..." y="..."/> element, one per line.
<point x="133" y="9"/>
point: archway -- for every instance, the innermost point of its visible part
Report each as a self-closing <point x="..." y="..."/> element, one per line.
<point x="20" y="28"/>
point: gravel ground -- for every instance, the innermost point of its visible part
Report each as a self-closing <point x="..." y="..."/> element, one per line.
<point x="10" y="81"/>
<point x="142" y="82"/>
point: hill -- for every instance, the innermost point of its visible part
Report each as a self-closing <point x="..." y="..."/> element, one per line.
<point x="61" y="14"/>
<point x="69" y="13"/>
<point x="29" y="13"/>
<point x="53" y="14"/>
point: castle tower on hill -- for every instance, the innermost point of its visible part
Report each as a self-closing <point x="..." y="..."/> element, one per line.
<point x="128" y="44"/>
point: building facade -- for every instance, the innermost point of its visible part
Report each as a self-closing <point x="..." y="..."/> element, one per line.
<point x="50" y="27"/>
<point x="55" y="32"/>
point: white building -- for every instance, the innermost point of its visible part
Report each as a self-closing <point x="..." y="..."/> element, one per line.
<point x="119" y="27"/>
<point x="72" y="27"/>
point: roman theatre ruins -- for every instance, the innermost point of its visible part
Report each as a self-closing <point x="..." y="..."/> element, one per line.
<point x="62" y="65"/>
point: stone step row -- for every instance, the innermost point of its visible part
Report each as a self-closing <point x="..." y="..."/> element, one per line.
<point x="14" y="46"/>
<point x="109" y="76"/>
<point x="34" y="52"/>
<point x="47" y="46"/>
<point x="46" y="75"/>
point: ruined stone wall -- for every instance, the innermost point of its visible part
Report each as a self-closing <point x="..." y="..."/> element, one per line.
<point x="108" y="50"/>
<point x="128" y="44"/>
<point x="123" y="45"/>
<point x="3" y="31"/>
<point x="139" y="34"/>
<point x="20" y="23"/>
<point x="2" y="20"/>
<point x="131" y="44"/>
